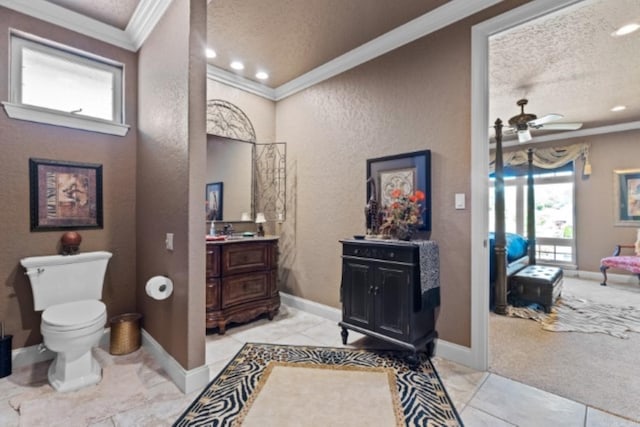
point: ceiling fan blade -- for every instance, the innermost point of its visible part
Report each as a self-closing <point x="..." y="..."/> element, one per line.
<point x="561" y="126"/>
<point x="545" y="119"/>
<point x="524" y="136"/>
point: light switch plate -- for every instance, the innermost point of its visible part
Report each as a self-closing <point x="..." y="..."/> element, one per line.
<point x="169" y="241"/>
<point x="459" y="201"/>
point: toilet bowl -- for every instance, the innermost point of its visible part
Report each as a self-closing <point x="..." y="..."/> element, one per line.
<point x="69" y="289"/>
<point x="72" y="330"/>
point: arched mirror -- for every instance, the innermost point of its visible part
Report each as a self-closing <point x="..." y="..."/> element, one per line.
<point x="230" y="163"/>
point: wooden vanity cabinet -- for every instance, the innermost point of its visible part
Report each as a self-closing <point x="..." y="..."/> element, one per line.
<point x="241" y="281"/>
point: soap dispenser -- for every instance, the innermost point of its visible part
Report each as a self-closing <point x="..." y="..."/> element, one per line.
<point x="212" y="229"/>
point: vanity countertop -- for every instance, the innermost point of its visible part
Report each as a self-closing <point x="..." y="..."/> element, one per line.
<point x="238" y="239"/>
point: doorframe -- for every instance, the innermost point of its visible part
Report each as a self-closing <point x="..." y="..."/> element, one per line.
<point x="480" y="33"/>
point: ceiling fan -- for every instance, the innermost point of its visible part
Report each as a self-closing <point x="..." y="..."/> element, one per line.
<point x="524" y="122"/>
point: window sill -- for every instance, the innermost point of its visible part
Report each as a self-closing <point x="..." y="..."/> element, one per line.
<point x="58" y="118"/>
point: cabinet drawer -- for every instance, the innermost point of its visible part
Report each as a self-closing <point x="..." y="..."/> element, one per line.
<point x="213" y="260"/>
<point x="385" y="253"/>
<point x="243" y="288"/>
<point x="245" y="258"/>
<point x="213" y="294"/>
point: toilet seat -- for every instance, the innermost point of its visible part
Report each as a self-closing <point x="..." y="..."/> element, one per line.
<point x="74" y="315"/>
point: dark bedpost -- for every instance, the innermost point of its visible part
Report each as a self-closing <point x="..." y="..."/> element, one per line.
<point x="500" y="252"/>
<point x="531" y="211"/>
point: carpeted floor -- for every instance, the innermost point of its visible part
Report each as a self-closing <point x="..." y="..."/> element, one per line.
<point x="593" y="368"/>
<point x="274" y="385"/>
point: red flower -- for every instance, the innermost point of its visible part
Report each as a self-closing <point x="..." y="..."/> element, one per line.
<point x="396" y="193"/>
<point x="419" y="195"/>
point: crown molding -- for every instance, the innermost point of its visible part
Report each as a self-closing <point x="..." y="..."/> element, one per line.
<point x="428" y="23"/>
<point x="73" y="21"/>
<point x="144" y="19"/>
<point x="582" y="133"/>
<point x="239" y="82"/>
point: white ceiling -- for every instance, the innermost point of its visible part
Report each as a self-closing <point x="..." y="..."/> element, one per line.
<point x="565" y="63"/>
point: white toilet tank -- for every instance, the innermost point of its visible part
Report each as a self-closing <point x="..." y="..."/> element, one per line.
<point x="56" y="279"/>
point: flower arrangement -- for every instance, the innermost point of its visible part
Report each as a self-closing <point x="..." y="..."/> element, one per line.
<point x="402" y="214"/>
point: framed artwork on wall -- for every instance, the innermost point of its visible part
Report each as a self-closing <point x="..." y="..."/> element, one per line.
<point x="408" y="172"/>
<point x="65" y="195"/>
<point x="214" y="199"/>
<point x="626" y="196"/>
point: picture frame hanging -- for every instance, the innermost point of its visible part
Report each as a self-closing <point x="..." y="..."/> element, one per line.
<point x="65" y="195"/>
<point x="408" y="172"/>
<point x="214" y="197"/>
<point x="626" y="196"/>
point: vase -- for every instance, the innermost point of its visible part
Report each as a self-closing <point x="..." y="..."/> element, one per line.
<point x="402" y="232"/>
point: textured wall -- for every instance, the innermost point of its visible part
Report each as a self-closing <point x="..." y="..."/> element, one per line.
<point x="595" y="233"/>
<point x="414" y="98"/>
<point x="21" y="140"/>
<point x="170" y="180"/>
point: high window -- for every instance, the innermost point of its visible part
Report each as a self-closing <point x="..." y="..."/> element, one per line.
<point x="60" y="85"/>
<point x="554" y="212"/>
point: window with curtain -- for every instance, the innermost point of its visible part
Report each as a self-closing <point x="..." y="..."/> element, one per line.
<point x="554" y="211"/>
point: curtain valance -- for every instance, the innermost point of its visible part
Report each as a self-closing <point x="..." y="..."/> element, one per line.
<point x="546" y="158"/>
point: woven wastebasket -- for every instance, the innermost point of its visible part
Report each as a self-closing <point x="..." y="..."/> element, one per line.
<point x="125" y="333"/>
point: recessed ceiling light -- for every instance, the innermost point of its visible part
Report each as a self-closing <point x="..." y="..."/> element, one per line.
<point x="619" y="108"/>
<point x="626" y="29"/>
<point x="210" y="53"/>
<point x="237" y="65"/>
<point x="262" y="75"/>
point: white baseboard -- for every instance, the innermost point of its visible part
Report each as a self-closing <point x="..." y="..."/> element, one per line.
<point x="444" y="349"/>
<point x="624" y="279"/>
<point x="186" y="380"/>
<point x="329" y="313"/>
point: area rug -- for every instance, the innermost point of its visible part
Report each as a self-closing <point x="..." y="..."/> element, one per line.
<point x="272" y="385"/>
<point x="572" y="314"/>
<point x="119" y="390"/>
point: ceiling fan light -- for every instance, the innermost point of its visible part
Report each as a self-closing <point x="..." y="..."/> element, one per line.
<point x="524" y="136"/>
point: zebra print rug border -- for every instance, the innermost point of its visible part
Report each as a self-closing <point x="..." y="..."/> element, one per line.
<point x="423" y="398"/>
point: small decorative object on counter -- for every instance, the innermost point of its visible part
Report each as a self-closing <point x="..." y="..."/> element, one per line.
<point x="70" y="242"/>
<point x="371" y="211"/>
<point x="260" y="219"/>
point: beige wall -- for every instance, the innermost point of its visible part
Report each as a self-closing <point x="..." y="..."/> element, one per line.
<point x="21" y="140"/>
<point x="595" y="233"/>
<point x="170" y="180"/>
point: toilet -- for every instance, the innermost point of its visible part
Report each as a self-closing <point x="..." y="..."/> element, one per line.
<point x="69" y="288"/>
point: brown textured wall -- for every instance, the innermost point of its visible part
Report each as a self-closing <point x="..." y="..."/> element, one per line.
<point x="414" y="98"/>
<point x="21" y="140"/>
<point x="171" y="153"/>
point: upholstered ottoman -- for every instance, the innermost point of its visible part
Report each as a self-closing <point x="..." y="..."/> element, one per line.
<point x="536" y="284"/>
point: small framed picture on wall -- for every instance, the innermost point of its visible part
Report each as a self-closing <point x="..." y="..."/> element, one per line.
<point x="214" y="199"/>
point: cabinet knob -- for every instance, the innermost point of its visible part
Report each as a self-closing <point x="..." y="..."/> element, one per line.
<point x="371" y="290"/>
<point x="392" y="254"/>
<point x="356" y="251"/>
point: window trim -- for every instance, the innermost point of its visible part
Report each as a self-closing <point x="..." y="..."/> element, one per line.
<point x="15" y="109"/>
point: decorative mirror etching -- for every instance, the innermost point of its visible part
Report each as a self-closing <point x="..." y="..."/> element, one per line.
<point x="270" y="163"/>
<point x="227" y="120"/>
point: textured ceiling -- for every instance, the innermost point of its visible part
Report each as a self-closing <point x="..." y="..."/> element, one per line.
<point x="568" y="63"/>
<point x="288" y="38"/>
<point x="116" y="13"/>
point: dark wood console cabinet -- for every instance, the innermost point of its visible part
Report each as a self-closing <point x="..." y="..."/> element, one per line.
<point x="241" y="281"/>
<point x="381" y="294"/>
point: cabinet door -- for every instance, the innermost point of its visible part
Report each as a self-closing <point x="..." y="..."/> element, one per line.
<point x="392" y="301"/>
<point x="213" y="295"/>
<point x="357" y="296"/>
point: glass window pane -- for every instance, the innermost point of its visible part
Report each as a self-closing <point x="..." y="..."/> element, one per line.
<point x="53" y="82"/>
<point x="554" y="210"/>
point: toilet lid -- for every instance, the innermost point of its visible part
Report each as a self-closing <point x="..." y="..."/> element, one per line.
<point x="74" y="314"/>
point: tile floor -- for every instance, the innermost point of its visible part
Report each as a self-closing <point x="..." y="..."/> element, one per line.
<point x="482" y="399"/>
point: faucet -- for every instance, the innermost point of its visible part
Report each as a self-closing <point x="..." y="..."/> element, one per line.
<point x="228" y="229"/>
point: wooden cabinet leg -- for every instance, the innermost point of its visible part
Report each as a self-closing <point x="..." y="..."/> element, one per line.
<point x="345" y="335"/>
<point x="430" y="348"/>
<point x="222" y="328"/>
<point x="413" y="359"/>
